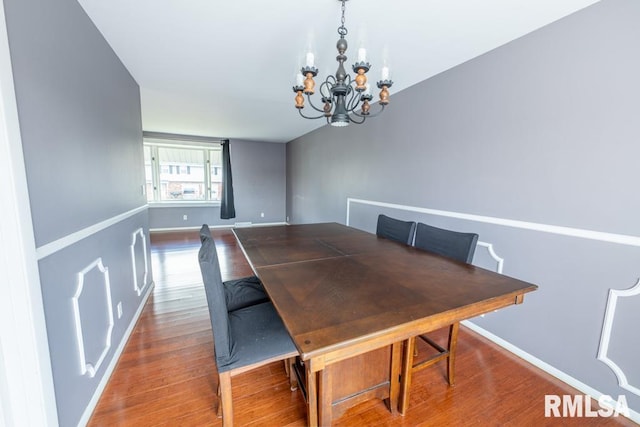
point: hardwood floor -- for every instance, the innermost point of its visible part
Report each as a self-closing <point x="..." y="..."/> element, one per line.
<point x="166" y="375"/>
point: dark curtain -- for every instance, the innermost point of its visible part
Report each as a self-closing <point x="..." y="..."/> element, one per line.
<point x="227" y="207"/>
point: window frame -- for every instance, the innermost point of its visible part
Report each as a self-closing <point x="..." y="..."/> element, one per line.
<point x="206" y="147"/>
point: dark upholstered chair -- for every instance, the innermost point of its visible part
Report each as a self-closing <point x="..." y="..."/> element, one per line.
<point x="240" y="293"/>
<point x="395" y="229"/>
<point x="460" y="247"/>
<point x="452" y="244"/>
<point x="245" y="338"/>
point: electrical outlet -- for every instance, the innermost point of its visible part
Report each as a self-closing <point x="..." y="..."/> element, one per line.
<point x="261" y="214"/>
<point x="184" y="217"/>
<point x="119" y="306"/>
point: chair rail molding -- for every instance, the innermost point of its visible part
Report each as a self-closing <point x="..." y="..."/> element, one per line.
<point x="607" y="328"/>
<point x="134" y="239"/>
<point x="622" y="239"/>
<point x="66" y="241"/>
<point x="91" y="367"/>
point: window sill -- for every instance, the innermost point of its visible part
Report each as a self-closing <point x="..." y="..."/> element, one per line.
<point x="185" y="204"/>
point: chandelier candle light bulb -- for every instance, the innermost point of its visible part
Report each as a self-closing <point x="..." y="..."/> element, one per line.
<point x="385" y="73"/>
<point x="362" y="55"/>
<point x="340" y="94"/>
<point x="310" y="59"/>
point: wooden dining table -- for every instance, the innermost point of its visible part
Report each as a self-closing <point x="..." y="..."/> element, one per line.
<point x="353" y="303"/>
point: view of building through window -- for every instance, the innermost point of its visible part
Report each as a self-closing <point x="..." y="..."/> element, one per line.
<point x="182" y="172"/>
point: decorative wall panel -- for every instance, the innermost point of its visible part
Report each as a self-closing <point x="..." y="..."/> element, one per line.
<point x="623" y="307"/>
<point x="139" y="262"/>
<point x="93" y="285"/>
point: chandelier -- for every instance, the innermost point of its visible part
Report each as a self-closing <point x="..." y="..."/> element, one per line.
<point x="342" y="95"/>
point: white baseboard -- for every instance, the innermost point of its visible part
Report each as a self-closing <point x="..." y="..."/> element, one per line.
<point x="562" y="376"/>
<point x="112" y="365"/>
<point x="268" y="224"/>
<point x="243" y="224"/>
<point x="191" y="228"/>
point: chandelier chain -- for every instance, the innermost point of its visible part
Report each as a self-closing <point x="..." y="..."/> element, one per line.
<point x="342" y="30"/>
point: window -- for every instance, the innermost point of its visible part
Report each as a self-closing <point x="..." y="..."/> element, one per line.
<point x="179" y="172"/>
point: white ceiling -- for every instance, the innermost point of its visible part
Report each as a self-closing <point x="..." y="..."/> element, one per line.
<point x="226" y="68"/>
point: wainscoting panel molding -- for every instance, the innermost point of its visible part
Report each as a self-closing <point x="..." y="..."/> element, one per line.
<point x="605" y="338"/>
<point x="499" y="261"/>
<point x="90" y="367"/>
<point x="139" y="287"/>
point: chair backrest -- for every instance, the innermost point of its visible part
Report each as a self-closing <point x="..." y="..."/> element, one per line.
<point x="452" y="244"/>
<point x="204" y="232"/>
<point x="395" y="229"/>
<point x="216" y="300"/>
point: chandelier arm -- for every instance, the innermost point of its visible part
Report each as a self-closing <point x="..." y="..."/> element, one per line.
<point x="354" y="100"/>
<point x="356" y="121"/>
<point x="325" y="89"/>
<point x="309" y="117"/>
<point x="313" y="106"/>
<point x="370" y="115"/>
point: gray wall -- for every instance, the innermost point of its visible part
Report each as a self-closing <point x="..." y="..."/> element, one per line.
<point x="259" y="185"/>
<point x="79" y="114"/>
<point x="543" y="130"/>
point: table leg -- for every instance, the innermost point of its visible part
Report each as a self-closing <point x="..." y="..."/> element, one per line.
<point x="312" y="395"/>
<point x="405" y="378"/>
<point x="325" y="397"/>
<point x="396" y="365"/>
